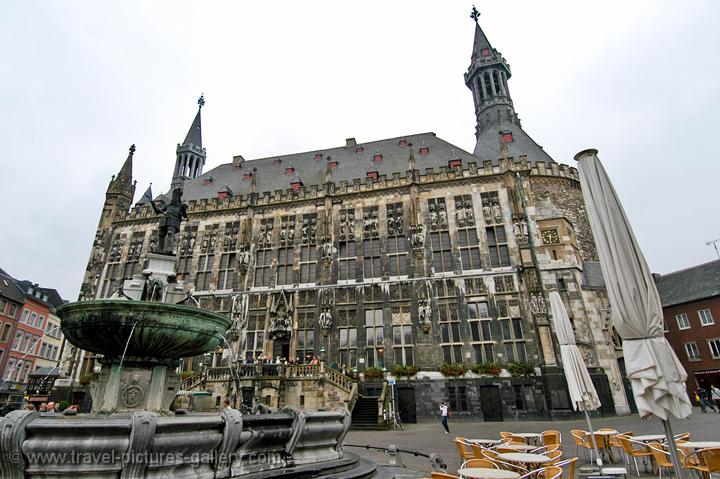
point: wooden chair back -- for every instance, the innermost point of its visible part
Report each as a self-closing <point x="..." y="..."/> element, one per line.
<point x="479" y="463"/>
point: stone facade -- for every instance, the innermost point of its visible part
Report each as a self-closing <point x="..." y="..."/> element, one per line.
<point x="405" y="251"/>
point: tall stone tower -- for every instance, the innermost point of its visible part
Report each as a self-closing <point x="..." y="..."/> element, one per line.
<point x="190" y="155"/>
<point x="498" y="130"/>
<point x="119" y="194"/>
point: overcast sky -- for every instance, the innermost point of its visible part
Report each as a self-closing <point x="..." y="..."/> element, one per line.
<point x="82" y="80"/>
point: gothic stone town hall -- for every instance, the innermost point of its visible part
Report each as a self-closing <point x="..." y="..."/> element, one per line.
<point x="400" y="251"/>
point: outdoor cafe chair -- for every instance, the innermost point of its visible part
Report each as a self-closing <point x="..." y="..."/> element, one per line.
<point x="551" y="437"/>
<point x="708" y="463"/>
<point x="550" y="472"/>
<point x="480" y="463"/>
<point x="627" y="445"/>
<point x="614" y="442"/>
<point x="545" y="449"/>
<point x="464" y="448"/>
<point x="442" y="475"/>
<point x="661" y="456"/>
<point x="570" y="463"/>
<point x="554" y="457"/>
<point x="582" y="440"/>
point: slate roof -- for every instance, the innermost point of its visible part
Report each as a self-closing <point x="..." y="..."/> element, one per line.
<point x="353" y="162"/>
<point x="8" y="288"/>
<point x="488" y="144"/>
<point x="691" y="284"/>
<point x="194" y="134"/>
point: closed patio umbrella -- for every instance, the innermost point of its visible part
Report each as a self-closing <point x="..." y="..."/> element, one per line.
<point x="656" y="375"/>
<point x="582" y="391"/>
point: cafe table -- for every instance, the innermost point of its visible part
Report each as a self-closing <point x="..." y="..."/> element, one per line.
<point x="516" y="447"/>
<point x="649" y="438"/>
<point x="528" y="436"/>
<point x="487" y="473"/>
<point x="489" y="442"/>
<point x="699" y="444"/>
<point x="527" y="458"/>
<point x="605" y="434"/>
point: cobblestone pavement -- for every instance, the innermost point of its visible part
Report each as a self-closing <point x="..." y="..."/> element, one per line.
<point x="429" y="437"/>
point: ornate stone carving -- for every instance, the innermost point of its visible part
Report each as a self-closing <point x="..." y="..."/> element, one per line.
<point x="520" y="228"/>
<point x="537" y="304"/>
<point x="187" y="242"/>
<point x="464" y="214"/>
<point x="370" y="222"/>
<point x="395" y="222"/>
<point x="281" y="314"/>
<point x="209" y="239"/>
<point x="347" y="225"/>
<point x="266" y="231"/>
<point x="424" y="315"/>
<point x="309" y="228"/>
<point x="141" y="437"/>
<point x="243" y="258"/>
<point x="135" y="247"/>
<point x="133" y="394"/>
<point x="287" y="230"/>
<point x="437" y="214"/>
<point x="231" y="236"/>
<point x="326" y="251"/>
<point x="116" y="249"/>
<point x="417" y="240"/>
<point x="491" y="208"/>
<point x="327" y="301"/>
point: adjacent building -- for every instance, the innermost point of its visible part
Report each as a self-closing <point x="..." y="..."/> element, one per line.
<point x="691" y="309"/>
<point x="30" y="337"/>
<point x="401" y="251"/>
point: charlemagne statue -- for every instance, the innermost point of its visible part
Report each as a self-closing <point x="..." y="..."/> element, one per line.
<point x="173" y="214"/>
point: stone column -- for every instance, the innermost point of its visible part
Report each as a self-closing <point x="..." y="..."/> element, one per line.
<point x="501" y="77"/>
<point x="156" y="390"/>
<point x="112" y="389"/>
<point x="493" y="86"/>
<point x="482" y="85"/>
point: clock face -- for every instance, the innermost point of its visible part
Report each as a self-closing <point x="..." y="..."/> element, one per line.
<point x="550" y="236"/>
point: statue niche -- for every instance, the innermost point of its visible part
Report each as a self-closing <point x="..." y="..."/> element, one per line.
<point x="281" y="314"/>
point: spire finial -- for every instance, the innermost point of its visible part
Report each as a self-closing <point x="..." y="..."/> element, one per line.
<point x="475" y="14"/>
<point x="201" y="100"/>
<point x="132" y="148"/>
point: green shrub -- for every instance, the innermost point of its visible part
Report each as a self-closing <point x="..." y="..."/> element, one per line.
<point x="186" y="374"/>
<point x="493" y="369"/>
<point x="522" y="369"/>
<point x="62" y="405"/>
<point x="374" y="374"/>
<point x="456" y="369"/>
<point x="400" y="370"/>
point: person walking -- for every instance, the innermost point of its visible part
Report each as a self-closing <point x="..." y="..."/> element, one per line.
<point x="445" y="412"/>
<point x="703" y="396"/>
<point x="715" y="395"/>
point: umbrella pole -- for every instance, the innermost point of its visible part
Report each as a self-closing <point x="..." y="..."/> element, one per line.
<point x="673" y="449"/>
<point x="592" y="436"/>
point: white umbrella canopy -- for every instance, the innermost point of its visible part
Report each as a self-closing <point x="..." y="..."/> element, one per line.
<point x="656" y="375"/>
<point x="582" y="391"/>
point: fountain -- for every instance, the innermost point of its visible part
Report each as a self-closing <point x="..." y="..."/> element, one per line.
<point x="142" y="333"/>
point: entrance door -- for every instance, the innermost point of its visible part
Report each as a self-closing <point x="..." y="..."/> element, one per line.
<point x="281" y="348"/>
<point x="247" y="397"/>
<point x="405" y="400"/>
<point x="490" y="403"/>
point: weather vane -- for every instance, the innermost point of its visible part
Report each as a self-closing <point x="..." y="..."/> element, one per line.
<point x="201" y="100"/>
<point x="475" y="14"/>
<point x="132" y="148"/>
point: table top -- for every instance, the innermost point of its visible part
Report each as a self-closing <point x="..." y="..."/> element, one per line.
<point x="527" y="434"/>
<point x="700" y="444"/>
<point x="486" y="441"/>
<point x="524" y="457"/>
<point x="606" y="433"/>
<point x="487" y="473"/>
<point x="649" y="437"/>
<point x="516" y="447"/>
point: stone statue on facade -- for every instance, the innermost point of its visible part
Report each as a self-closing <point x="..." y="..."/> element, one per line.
<point x="325" y="321"/>
<point x="281" y="314"/>
<point x="425" y="315"/>
<point x="169" y="225"/>
<point x="326" y="250"/>
<point x="417" y="239"/>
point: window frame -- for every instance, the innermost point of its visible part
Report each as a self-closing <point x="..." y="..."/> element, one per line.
<point x="703" y="317"/>
<point x="686" y="319"/>
<point x="697" y="350"/>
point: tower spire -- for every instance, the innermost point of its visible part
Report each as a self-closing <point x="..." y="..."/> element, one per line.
<point x="190" y="155"/>
<point x="495" y="115"/>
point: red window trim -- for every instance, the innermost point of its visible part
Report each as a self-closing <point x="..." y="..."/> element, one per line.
<point x="373" y="174"/>
<point x="424" y="150"/>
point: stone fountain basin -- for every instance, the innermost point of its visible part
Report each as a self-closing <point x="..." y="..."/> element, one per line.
<point x="163" y="331"/>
